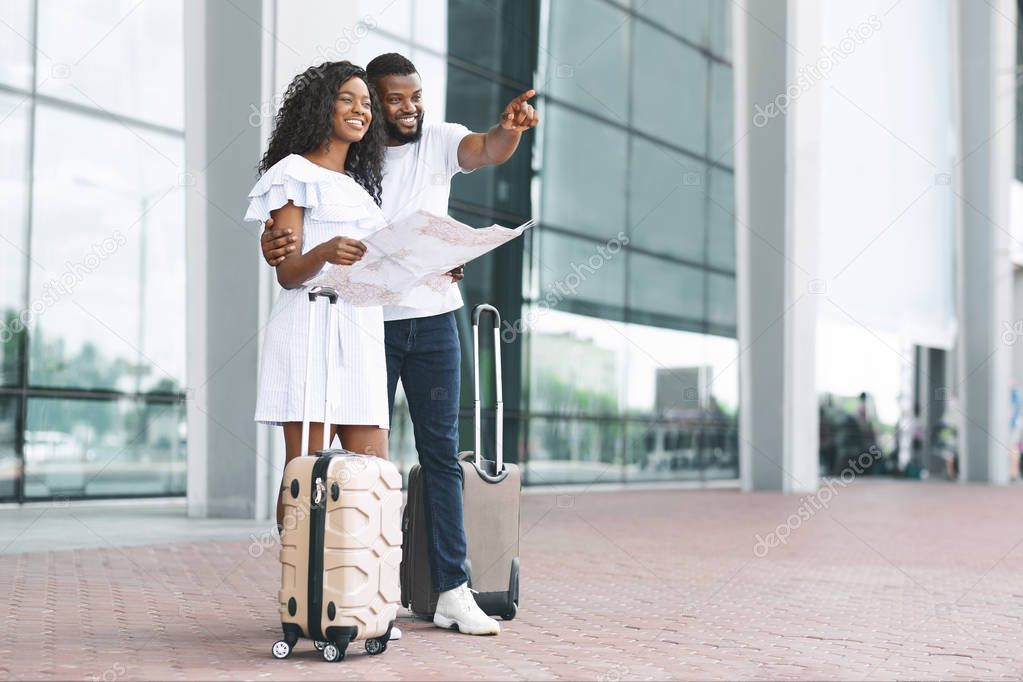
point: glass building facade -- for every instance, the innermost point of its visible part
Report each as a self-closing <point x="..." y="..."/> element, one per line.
<point x="92" y="346"/>
<point x="620" y="353"/>
<point x="620" y="359"/>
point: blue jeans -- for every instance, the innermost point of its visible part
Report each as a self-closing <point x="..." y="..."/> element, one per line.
<point x="424" y="353"/>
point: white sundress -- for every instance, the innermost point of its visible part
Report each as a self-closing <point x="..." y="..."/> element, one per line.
<point x="335" y="205"/>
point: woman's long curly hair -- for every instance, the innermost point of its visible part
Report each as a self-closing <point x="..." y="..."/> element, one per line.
<point x="305" y="122"/>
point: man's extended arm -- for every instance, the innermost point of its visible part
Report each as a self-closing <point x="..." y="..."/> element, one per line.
<point x="499" y="143"/>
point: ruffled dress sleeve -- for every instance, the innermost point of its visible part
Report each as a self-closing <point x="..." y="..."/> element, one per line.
<point x="287" y="180"/>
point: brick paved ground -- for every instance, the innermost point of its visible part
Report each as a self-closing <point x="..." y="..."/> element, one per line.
<point x="895" y="580"/>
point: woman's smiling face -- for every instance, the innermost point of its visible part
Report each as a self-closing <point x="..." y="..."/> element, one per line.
<point x="353" y="110"/>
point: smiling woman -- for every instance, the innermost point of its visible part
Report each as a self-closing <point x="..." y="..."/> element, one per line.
<point x="321" y="179"/>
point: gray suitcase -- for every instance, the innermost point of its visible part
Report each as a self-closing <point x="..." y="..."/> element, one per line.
<point x="491" y="490"/>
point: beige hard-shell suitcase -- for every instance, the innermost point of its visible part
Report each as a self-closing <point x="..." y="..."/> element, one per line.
<point x="341" y="544"/>
<point x="491" y="491"/>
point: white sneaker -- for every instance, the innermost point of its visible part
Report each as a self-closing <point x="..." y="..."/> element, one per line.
<point x="457" y="608"/>
<point x="395" y="633"/>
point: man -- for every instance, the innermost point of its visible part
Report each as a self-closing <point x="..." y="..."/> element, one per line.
<point x="421" y="337"/>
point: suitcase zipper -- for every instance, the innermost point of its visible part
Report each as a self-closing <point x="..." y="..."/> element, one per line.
<point x="317" y="521"/>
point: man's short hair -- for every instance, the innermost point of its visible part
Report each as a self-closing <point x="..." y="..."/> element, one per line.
<point x="389" y="64"/>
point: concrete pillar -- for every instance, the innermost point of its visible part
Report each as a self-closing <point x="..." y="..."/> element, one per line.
<point x="240" y="57"/>
<point x="775" y="178"/>
<point x="224" y="49"/>
<point x="984" y="40"/>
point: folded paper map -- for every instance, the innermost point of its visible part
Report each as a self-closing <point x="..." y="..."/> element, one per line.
<point x="412" y="253"/>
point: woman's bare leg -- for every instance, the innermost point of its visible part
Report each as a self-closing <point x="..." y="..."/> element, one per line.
<point x="365" y="440"/>
<point x="292" y="449"/>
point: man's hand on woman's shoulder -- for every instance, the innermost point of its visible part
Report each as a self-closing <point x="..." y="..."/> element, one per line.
<point x="276" y="244"/>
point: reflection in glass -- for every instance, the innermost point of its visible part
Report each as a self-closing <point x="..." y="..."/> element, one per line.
<point x="476" y="102"/>
<point x="588" y="56"/>
<point x="77" y="448"/>
<point x="16" y="43"/>
<point x="720" y="144"/>
<point x="721" y="300"/>
<point x="108" y="238"/>
<point x="14" y="114"/>
<point x="682" y="400"/>
<point x="670" y="89"/>
<point x="574" y="271"/>
<point x="496" y="35"/>
<point x="10" y="466"/>
<point x="667" y="201"/>
<point x="686" y="18"/>
<point x="721" y="225"/>
<point x="721" y="29"/>
<point x="120" y="56"/>
<point x="573" y="450"/>
<point x="574" y="368"/>
<point x="664" y="288"/>
<point x="584" y="167"/>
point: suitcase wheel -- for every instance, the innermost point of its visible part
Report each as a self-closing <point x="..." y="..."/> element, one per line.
<point x="510" y="613"/>
<point x="319" y="644"/>
<point x="331" y="653"/>
<point x="281" y="649"/>
<point x="375" y="646"/>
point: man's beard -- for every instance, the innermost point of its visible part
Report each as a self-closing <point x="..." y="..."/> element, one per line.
<point x="395" y="133"/>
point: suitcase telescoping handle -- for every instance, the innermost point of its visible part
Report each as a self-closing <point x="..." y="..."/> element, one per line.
<point x="331" y="296"/>
<point x="476" y="312"/>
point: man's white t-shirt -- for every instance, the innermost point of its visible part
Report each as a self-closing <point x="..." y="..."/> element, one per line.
<point x="417" y="176"/>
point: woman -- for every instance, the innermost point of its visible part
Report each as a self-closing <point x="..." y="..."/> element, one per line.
<point x="321" y="178"/>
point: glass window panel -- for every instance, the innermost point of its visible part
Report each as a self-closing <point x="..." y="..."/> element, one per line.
<point x="670" y="89"/>
<point x="16" y="43"/>
<point x="588" y="56"/>
<point x="573" y="451"/>
<point x="662" y="287"/>
<point x="687" y="18"/>
<point x="431" y="24"/>
<point x="721" y="28"/>
<point x="682" y="397"/>
<point x="108" y="239"/>
<point x="671" y="370"/>
<point x="14" y="127"/>
<point x="721" y="300"/>
<point x="667" y="201"/>
<point x="573" y="270"/>
<point x="488" y="433"/>
<point x="498" y="35"/>
<point x="584" y="173"/>
<point x="10" y="467"/>
<point x="477" y="287"/>
<point x="663" y="450"/>
<point x="119" y="55"/>
<point x="722" y="227"/>
<point x="476" y="102"/>
<point x="703" y="446"/>
<point x="593" y="382"/>
<point x="96" y="448"/>
<point x="720" y="145"/>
